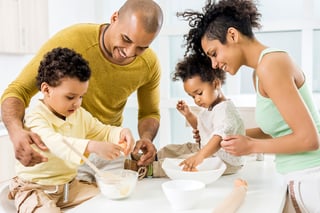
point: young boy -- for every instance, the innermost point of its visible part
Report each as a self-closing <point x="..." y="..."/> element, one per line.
<point x="63" y="78"/>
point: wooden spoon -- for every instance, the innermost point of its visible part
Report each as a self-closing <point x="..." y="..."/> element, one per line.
<point x="104" y="175"/>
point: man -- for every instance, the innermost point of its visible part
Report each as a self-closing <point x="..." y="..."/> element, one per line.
<point x="121" y="62"/>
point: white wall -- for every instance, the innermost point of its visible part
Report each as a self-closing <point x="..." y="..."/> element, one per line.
<point x="10" y="66"/>
<point x="61" y="14"/>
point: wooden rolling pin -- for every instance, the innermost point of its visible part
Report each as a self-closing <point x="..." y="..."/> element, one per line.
<point x="232" y="202"/>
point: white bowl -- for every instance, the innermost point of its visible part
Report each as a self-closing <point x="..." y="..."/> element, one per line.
<point x="117" y="184"/>
<point x="6" y="205"/>
<point x="208" y="171"/>
<point x="183" y="194"/>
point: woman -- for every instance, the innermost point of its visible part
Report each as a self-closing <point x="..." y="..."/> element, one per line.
<point x="288" y="120"/>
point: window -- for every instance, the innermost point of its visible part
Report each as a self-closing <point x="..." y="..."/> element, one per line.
<point x="316" y="61"/>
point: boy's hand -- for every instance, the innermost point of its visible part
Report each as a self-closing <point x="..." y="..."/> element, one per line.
<point x="124" y="147"/>
<point x="126" y="142"/>
<point x="106" y="150"/>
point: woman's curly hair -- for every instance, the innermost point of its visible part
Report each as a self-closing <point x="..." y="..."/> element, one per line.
<point x="197" y="65"/>
<point x="59" y="63"/>
<point x="215" y="19"/>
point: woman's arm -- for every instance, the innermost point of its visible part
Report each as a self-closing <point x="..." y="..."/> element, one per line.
<point x="256" y="133"/>
<point x="280" y="80"/>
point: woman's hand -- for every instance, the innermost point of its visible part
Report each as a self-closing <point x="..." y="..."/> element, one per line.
<point x="237" y="145"/>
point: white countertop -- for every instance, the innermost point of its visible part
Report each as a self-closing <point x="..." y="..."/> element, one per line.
<point x="266" y="193"/>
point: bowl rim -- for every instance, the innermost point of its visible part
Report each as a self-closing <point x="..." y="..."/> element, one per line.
<point x="222" y="166"/>
<point x="205" y="176"/>
<point x="116" y="171"/>
<point x="199" y="184"/>
<point x="107" y="188"/>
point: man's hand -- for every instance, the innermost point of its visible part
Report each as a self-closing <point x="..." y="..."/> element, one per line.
<point x="148" y="149"/>
<point x="12" y="112"/>
<point x="22" y="141"/>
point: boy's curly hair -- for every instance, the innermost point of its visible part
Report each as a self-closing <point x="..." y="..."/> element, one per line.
<point x="215" y="19"/>
<point x="197" y="65"/>
<point x="60" y="63"/>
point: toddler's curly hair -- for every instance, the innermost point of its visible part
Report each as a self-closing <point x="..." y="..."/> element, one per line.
<point x="59" y="63"/>
<point x="197" y="65"/>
